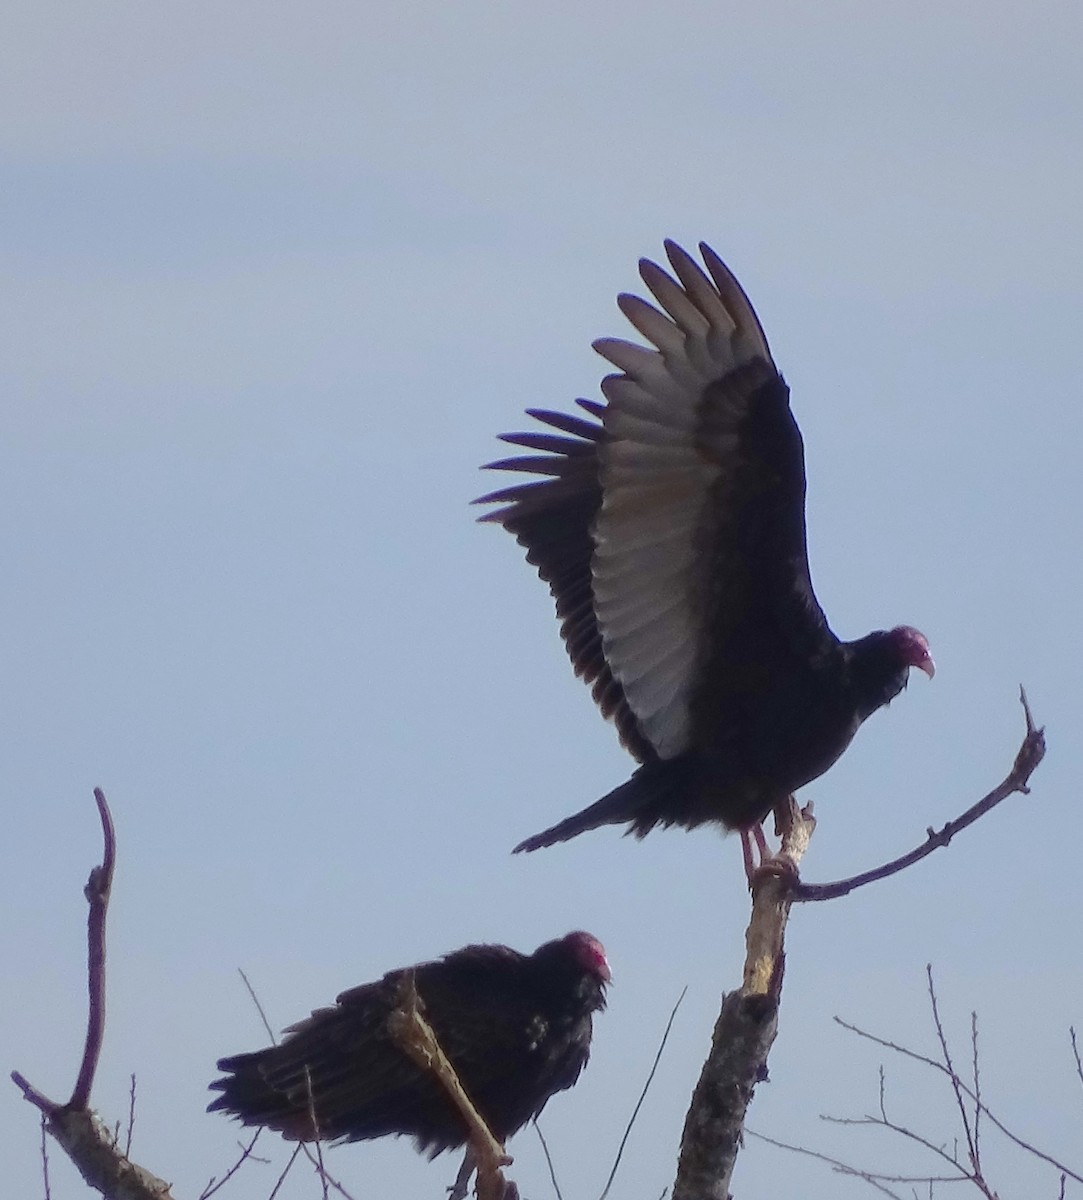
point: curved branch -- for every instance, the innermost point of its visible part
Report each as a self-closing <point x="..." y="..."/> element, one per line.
<point x="1030" y="754"/>
<point x="80" y="1133"/>
<point x="97" y="893"/>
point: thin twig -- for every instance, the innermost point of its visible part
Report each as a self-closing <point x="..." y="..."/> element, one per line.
<point x="885" y="1122"/>
<point x="131" y="1118"/>
<point x="841" y="1167"/>
<point x="989" y="1115"/>
<point x="1075" y="1053"/>
<point x="315" y="1124"/>
<point x="282" y="1177"/>
<point x="246" y="1153"/>
<point x="1030" y="754"/>
<point x="97" y="894"/>
<point x="259" y="1007"/>
<point x="330" y="1179"/>
<point x="548" y="1159"/>
<point x="45" y="1160"/>
<point x="951" y="1158"/>
<point x="31" y="1094"/>
<point x="320" y="1169"/>
<point x="957" y="1084"/>
<point x="977" y="1086"/>
<point x="643" y="1094"/>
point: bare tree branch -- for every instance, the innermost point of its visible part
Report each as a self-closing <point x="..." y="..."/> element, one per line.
<point x="282" y="1178"/>
<point x="989" y="1115"/>
<point x="79" y="1132"/>
<point x="747" y="1023"/>
<point x="94" y="1151"/>
<point x="882" y="1121"/>
<point x="746" y="1026"/>
<point x="841" y="1167"/>
<point x="246" y="1153"/>
<point x="45" y="1160"/>
<point x="131" y="1118"/>
<point x="259" y="1007"/>
<point x="413" y="1035"/>
<point x="966" y="1095"/>
<point x="957" y="1084"/>
<point x="316" y="1148"/>
<point x="1075" y="1053"/>
<point x="1030" y="754"/>
<point x="97" y="893"/>
<point x="976" y="1076"/>
<point x="963" y="1156"/>
<point x="548" y="1159"/>
<point x="642" y="1094"/>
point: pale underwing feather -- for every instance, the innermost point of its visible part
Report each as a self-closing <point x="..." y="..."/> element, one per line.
<point x="659" y="330"/>
<point x="637" y="428"/>
<point x="704" y="332"/>
<point x="634" y="398"/>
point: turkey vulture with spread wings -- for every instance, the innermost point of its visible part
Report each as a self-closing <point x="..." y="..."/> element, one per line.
<point x="672" y="536"/>
<point x="515" y="1027"/>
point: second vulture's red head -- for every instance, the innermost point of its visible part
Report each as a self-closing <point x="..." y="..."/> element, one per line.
<point x="589" y="953"/>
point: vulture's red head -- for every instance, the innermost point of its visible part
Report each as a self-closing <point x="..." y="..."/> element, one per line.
<point x="913" y="648"/>
<point x="589" y="953"/>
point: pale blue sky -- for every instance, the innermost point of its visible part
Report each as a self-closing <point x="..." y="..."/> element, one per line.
<point x="273" y="278"/>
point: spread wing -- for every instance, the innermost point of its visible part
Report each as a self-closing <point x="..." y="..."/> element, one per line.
<point x="672" y="535"/>
<point x="553" y="519"/>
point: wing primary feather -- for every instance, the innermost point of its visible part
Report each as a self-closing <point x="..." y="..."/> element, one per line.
<point x="632" y="397"/>
<point x="549" y="442"/>
<point x="676" y="301"/>
<point x="530" y="463"/>
<point x="656" y="328"/>
<point x="570" y="423"/>
<point x="739" y="305"/>
<point x="700" y="289"/>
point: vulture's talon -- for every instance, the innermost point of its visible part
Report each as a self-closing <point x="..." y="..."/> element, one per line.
<point x="780" y="866"/>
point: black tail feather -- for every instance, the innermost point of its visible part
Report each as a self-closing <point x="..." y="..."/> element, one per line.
<point x="656" y="789"/>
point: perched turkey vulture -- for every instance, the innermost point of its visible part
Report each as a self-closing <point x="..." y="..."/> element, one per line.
<point x="672" y="536"/>
<point x="516" y="1028"/>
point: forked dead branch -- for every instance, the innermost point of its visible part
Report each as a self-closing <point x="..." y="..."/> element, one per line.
<point x="81" y="1134"/>
<point x="748" y="1021"/>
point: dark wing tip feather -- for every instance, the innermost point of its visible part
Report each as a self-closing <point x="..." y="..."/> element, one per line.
<point x="570" y="423"/>
<point x="550" y="443"/>
<point x="531" y="464"/>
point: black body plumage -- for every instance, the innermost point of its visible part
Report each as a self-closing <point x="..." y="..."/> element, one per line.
<point x="516" y="1027"/>
<point x="671" y="531"/>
